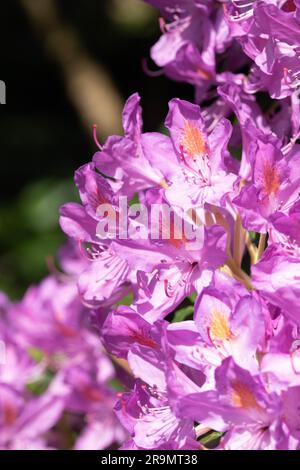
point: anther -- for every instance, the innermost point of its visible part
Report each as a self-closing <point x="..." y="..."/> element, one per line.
<point x="96" y="137"/>
<point x="150" y="73"/>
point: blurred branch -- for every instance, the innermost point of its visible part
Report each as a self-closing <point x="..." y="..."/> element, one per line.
<point x="89" y="86"/>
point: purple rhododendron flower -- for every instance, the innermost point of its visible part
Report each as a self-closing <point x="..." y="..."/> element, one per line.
<point x="175" y="321"/>
<point x="269" y="34"/>
<point x="194" y="32"/>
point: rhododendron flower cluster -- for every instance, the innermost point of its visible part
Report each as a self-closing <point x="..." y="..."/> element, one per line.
<point x="200" y="36"/>
<point x="183" y="263"/>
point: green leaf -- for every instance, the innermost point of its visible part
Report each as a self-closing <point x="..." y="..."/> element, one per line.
<point x="39" y="386"/>
<point x="36" y="354"/>
<point x="116" y="385"/>
<point x="183" y="313"/>
<point x="211" y="439"/>
<point x="127" y="300"/>
<point x="236" y="152"/>
<point x="192" y="297"/>
<point x="134" y="199"/>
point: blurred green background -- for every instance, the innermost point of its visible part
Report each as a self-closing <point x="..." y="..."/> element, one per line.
<point x="43" y="137"/>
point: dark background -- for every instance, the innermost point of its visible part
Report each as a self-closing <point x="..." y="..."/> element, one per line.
<point x="42" y="137"/>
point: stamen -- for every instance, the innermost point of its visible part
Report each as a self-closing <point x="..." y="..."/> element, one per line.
<point x="290" y="144"/>
<point x="182" y="283"/>
<point x="96" y="137"/>
<point x="285" y="75"/>
<point x="244" y="10"/>
<point x="150" y="73"/>
<point x="168" y="288"/>
<point x="162" y="25"/>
